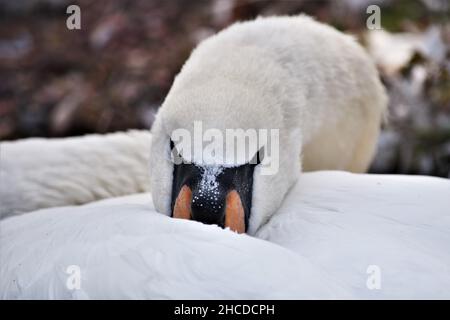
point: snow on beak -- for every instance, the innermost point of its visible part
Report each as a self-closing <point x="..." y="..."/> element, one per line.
<point x="213" y="195"/>
<point x="234" y="211"/>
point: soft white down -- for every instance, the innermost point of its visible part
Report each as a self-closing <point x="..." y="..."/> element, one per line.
<point x="320" y="244"/>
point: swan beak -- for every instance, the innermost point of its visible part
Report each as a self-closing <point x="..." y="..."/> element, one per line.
<point x="182" y="207"/>
<point x="223" y="199"/>
<point x="234" y="212"/>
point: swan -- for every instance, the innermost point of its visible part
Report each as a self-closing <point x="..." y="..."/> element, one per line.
<point x="81" y="217"/>
<point x="311" y="83"/>
<point x="314" y="84"/>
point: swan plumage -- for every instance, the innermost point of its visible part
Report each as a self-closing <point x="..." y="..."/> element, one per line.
<point x="330" y="229"/>
<point x="40" y="173"/>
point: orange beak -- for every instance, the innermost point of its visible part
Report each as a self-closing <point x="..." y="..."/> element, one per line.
<point x="234" y="211"/>
<point x="182" y="208"/>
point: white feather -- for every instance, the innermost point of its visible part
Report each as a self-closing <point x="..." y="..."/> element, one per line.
<point x="40" y="173"/>
<point x="331" y="227"/>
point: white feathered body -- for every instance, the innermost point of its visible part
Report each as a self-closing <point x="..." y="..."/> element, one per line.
<point x="334" y="234"/>
<point x="40" y="173"/>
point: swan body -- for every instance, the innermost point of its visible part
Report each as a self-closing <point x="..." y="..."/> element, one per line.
<point x="332" y="228"/>
<point x="41" y="173"/>
<point x="314" y="84"/>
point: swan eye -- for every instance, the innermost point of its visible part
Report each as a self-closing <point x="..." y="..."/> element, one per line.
<point x="258" y="157"/>
<point x="175" y="156"/>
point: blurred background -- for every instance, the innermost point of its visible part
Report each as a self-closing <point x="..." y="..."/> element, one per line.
<point x="114" y="73"/>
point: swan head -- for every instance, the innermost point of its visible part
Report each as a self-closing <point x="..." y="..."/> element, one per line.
<point x="257" y="102"/>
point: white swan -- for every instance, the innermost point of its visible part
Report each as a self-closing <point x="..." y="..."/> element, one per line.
<point x="332" y="228"/>
<point x="337" y="235"/>
<point x="314" y="84"/>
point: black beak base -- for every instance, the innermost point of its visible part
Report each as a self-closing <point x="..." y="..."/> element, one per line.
<point x="210" y="187"/>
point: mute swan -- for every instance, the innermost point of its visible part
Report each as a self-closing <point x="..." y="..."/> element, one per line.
<point x="333" y="234"/>
<point x="314" y="84"/>
<point x="330" y="233"/>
